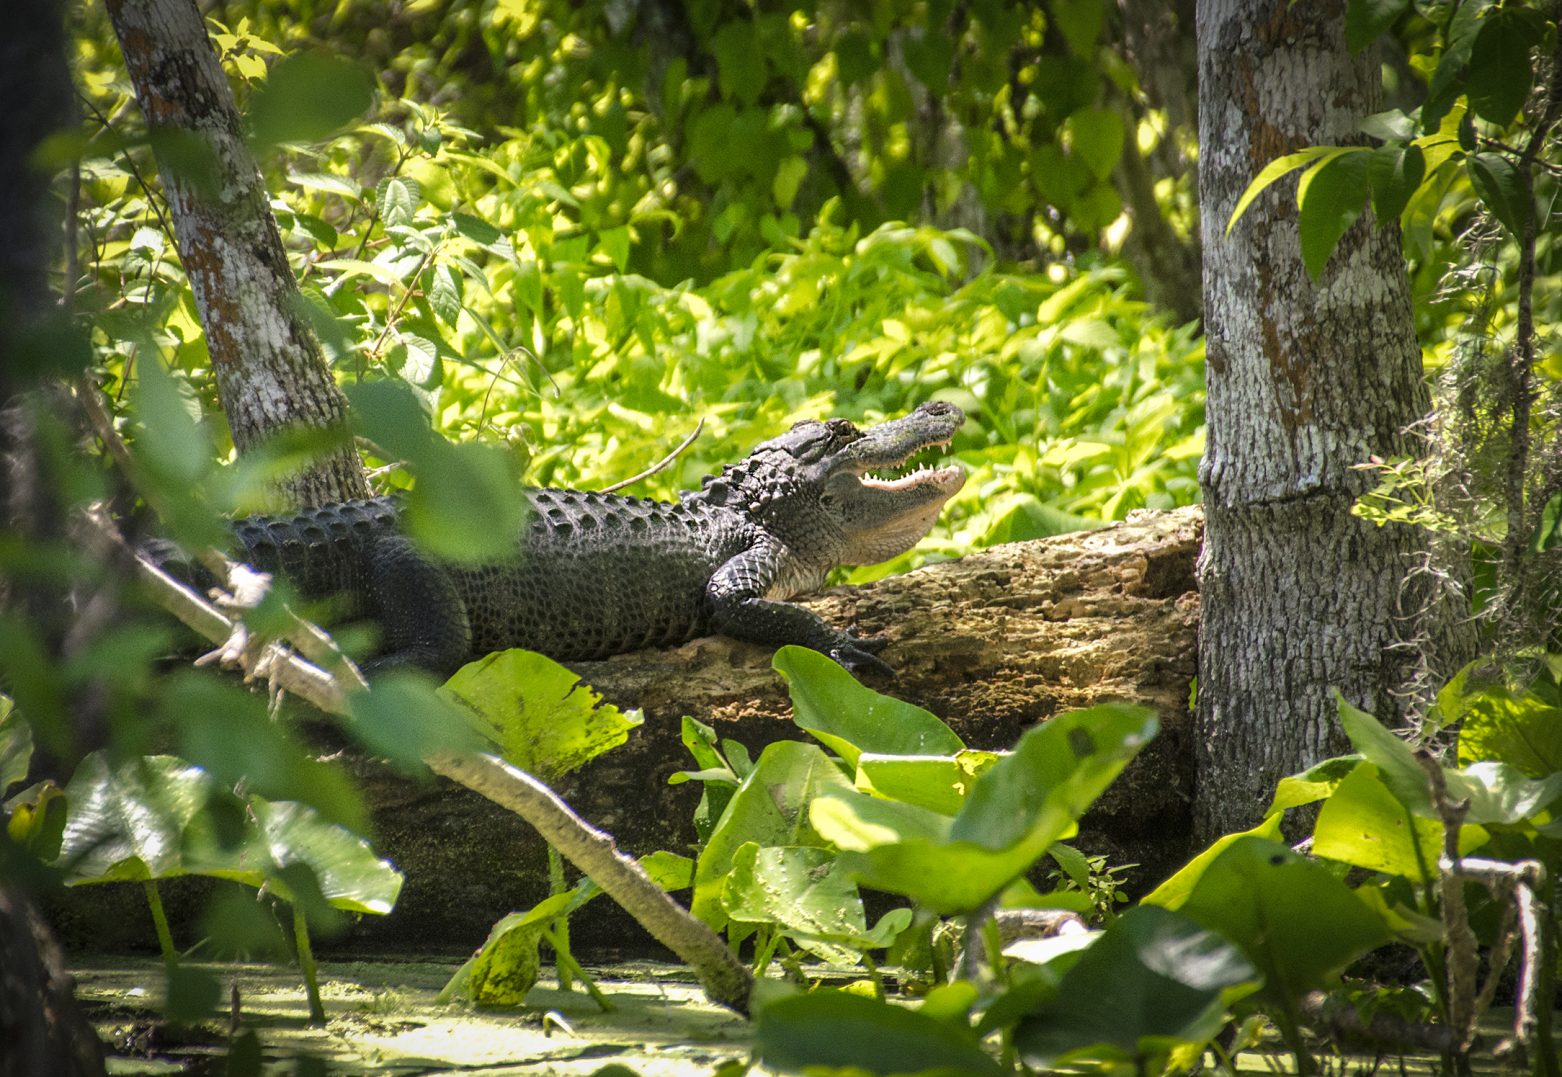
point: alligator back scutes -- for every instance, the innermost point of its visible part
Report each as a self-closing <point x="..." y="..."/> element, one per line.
<point x="560" y="513"/>
<point x="321" y="548"/>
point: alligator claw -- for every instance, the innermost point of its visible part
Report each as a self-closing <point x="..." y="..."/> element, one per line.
<point x="856" y="656"/>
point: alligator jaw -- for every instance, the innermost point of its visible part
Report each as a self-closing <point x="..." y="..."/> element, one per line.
<point x="893" y="514"/>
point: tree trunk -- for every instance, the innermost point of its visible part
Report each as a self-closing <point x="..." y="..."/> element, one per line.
<point x="270" y="373"/>
<point x="41" y="1028"/>
<point x="1306" y="381"/>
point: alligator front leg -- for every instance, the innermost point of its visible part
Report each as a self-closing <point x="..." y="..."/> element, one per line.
<point x="740" y="610"/>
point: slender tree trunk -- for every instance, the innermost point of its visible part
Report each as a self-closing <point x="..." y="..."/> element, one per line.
<point x="41" y="1028"/>
<point x="1306" y="380"/>
<point x="270" y="374"/>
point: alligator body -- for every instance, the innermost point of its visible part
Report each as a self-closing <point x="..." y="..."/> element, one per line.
<point x="599" y="574"/>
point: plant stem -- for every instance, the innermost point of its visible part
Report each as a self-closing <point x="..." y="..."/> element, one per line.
<point x="558" y="934"/>
<point x="306" y="961"/>
<point x="165" y="937"/>
<point x="566" y="961"/>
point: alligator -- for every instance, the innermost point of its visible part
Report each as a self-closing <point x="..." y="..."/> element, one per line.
<point x="596" y="574"/>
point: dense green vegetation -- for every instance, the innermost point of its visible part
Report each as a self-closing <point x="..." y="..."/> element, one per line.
<point x="581" y="232"/>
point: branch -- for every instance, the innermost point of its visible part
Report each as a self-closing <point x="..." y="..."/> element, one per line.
<point x="660" y="464"/>
<point x="726" y="980"/>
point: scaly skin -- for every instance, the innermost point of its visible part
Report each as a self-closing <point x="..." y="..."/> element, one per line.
<point x="599" y="574"/>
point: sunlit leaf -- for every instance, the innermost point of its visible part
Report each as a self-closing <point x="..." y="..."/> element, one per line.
<point x="1330" y="197"/>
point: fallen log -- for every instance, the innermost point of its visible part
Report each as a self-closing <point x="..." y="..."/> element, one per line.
<point x="992" y="643"/>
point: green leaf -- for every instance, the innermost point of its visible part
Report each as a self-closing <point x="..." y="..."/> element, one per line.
<point x="1364" y="824"/>
<point x="1498" y="183"/>
<point x="1396" y="761"/>
<point x="1548" y="530"/>
<point x="849" y="718"/>
<point x="1499" y="794"/>
<point x="1017" y="809"/>
<point x="16" y="746"/>
<point x="158" y="817"/>
<point x="1390" y="126"/>
<point x="1296" y="922"/>
<point x="1174" y="892"/>
<point x="406" y="720"/>
<point x="769" y="808"/>
<point x="740" y="62"/>
<point x="1367" y="20"/>
<point x="1394" y="172"/>
<point x="937" y="782"/>
<point x="1096" y="136"/>
<point x="1154" y="981"/>
<point x="1331" y="195"/>
<point x="805" y="892"/>
<point x="1080" y="22"/>
<point x="1505" y="725"/>
<point x="170" y="435"/>
<point x="506" y="966"/>
<point x="790" y="174"/>
<point x="307" y="97"/>
<point x="1276" y="169"/>
<point x="829" y="1029"/>
<point x="1312" y="785"/>
<point x="542" y="717"/>
<point x="1501" y="76"/>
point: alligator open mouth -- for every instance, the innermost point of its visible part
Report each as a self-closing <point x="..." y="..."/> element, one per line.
<point x="909" y="474"/>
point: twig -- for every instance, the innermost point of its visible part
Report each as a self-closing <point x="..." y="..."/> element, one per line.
<point x="660" y="464"/>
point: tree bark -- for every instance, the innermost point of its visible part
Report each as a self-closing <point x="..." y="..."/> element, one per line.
<point x="270" y="373"/>
<point x="1306" y="381"/>
<point x="41" y="1028"/>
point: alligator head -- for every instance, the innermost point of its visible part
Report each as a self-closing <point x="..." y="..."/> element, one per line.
<point x="815" y="488"/>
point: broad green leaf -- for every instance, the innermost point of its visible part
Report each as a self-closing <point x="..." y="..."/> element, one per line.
<point x="1500" y="794"/>
<point x="37" y="821"/>
<point x="1096" y="136"/>
<point x="1275" y="169"/>
<point x="1367" y="20"/>
<point x="1394" y="172"/>
<point x="1174" y="892"/>
<point x="1396" y="761"/>
<point x="1500" y="76"/>
<point x="506" y="966"/>
<point x="157" y="817"/>
<point x="1080" y="22"/>
<point x="828" y="1029"/>
<point x="1055" y="772"/>
<point x="1504" y="725"/>
<point x="345" y="868"/>
<point x="1548" y="531"/>
<point x="1390" y="126"/>
<point x="769" y="808"/>
<point x="307" y="97"/>
<point x="1365" y="824"/>
<point x="850" y="718"/>
<point x="170" y="434"/>
<point x="324" y="181"/>
<point x="937" y="782"/>
<point x="541" y="716"/>
<point x="1330" y="196"/>
<point x="1016" y="810"/>
<point x="16" y="746"/>
<point x="1296" y="922"/>
<point x="1153" y="982"/>
<point x="406" y="720"/>
<point x="804" y="891"/>
<point x="1501" y="189"/>
<point x="790" y="174"/>
<point x="1312" y="785"/>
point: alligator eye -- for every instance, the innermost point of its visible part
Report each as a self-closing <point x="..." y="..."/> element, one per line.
<point x="827" y="499"/>
<point x="843" y="428"/>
